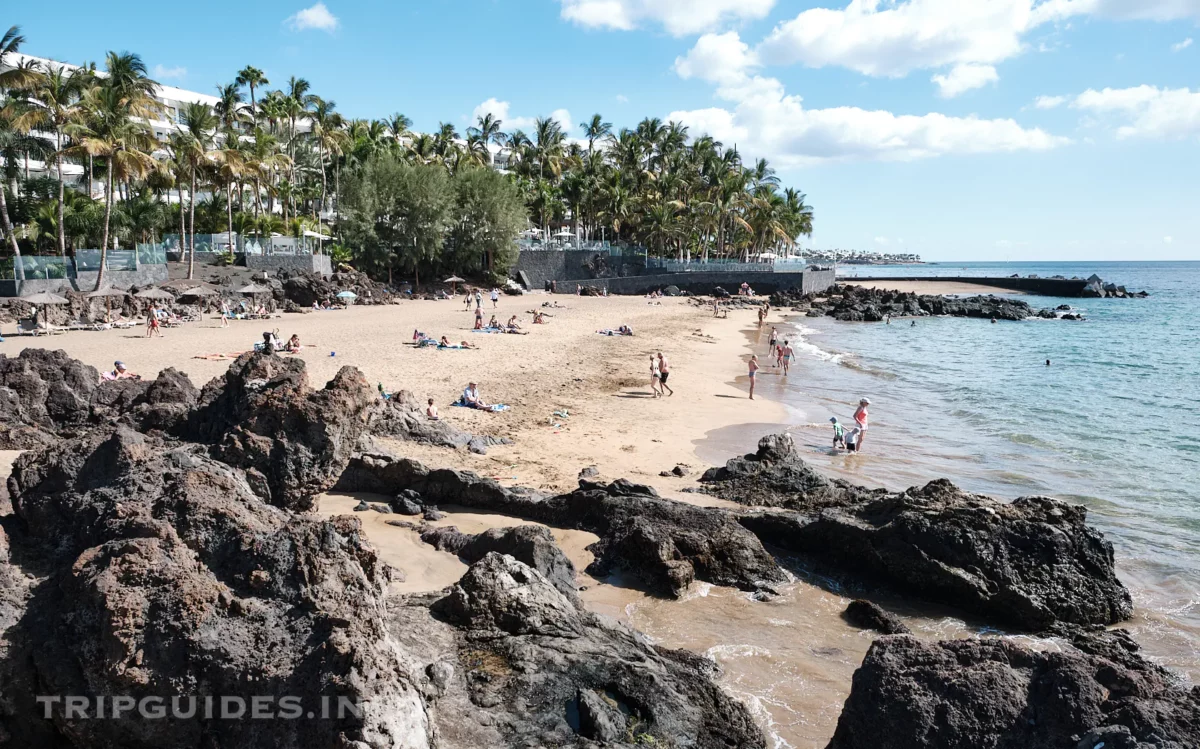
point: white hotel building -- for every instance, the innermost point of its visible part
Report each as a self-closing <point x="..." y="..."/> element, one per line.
<point x="172" y="99"/>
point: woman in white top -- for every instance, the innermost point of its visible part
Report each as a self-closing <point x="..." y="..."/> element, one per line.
<point x="654" y="376"/>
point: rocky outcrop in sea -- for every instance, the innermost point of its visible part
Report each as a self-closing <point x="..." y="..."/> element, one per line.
<point x="862" y="304"/>
<point x="1032" y="564"/>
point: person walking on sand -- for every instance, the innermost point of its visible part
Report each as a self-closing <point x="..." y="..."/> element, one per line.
<point x="664" y="370"/>
<point x="753" y="372"/>
<point x="860" y="420"/>
<point x="495" y="298"/>
<point x="788" y="355"/>
<point x="152" y="323"/>
<point x="224" y="314"/>
<point x="654" y="377"/>
<point x="467" y="299"/>
<point x="478" y="299"/>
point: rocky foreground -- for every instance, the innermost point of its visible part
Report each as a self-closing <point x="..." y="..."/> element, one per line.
<point x="156" y="541"/>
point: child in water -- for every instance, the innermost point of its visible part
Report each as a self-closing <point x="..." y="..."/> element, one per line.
<point x="852" y="439"/>
<point x="839" y="434"/>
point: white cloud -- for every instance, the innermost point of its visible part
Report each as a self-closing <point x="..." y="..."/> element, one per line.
<point x="1004" y="243"/>
<point x="765" y="121"/>
<point x="718" y="58"/>
<point x="508" y="122"/>
<point x="1146" y="111"/>
<point x="881" y="240"/>
<point x="678" y="17"/>
<point x="1181" y="46"/>
<point x="902" y="36"/>
<point x="622" y="99"/>
<point x="162" y="72"/>
<point x="317" y="17"/>
<point x="1049" y="102"/>
<point x="963" y="78"/>
<point x="1168" y="240"/>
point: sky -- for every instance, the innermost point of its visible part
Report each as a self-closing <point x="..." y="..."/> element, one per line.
<point x="956" y="129"/>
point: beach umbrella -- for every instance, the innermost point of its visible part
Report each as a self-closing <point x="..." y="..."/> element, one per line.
<point x="44" y="297"/>
<point x="347" y="295"/>
<point x="253" y="289"/>
<point x="107" y="293"/>
<point x="201" y="290"/>
<point x="452" y="280"/>
<point x="180" y="283"/>
<point x="565" y="234"/>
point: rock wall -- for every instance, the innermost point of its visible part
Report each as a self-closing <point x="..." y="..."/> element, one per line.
<point x="312" y="263"/>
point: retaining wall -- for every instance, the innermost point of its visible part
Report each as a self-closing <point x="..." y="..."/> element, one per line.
<point x="314" y="263"/>
<point x="763" y="282"/>
<point x="146" y="275"/>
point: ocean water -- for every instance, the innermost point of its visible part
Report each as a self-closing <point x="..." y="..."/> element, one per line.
<point x="1112" y="423"/>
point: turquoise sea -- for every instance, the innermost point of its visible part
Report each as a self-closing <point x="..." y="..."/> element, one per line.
<point x="1113" y="422"/>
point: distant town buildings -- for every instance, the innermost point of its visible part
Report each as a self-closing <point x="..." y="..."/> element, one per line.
<point x="861" y="257"/>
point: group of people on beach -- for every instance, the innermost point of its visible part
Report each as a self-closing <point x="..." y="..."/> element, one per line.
<point x="660" y="370"/>
<point x="851" y="440"/>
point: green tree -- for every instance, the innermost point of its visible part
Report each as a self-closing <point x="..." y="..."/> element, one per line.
<point x="253" y="78"/>
<point x="489" y="214"/>
<point x="55" y="104"/>
<point x="398" y="213"/>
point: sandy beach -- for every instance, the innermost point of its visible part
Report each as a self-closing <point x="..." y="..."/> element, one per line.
<point x="564" y="365"/>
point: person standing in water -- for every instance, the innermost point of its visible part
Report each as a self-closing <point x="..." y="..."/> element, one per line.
<point x="753" y="372"/>
<point x="788" y="355"/>
<point x="860" y="420"/>
<point x="664" y="370"/>
<point x="774" y="338"/>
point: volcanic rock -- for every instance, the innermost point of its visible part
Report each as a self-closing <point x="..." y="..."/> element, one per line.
<point x="867" y="615"/>
<point x="660" y="543"/>
<point x="775" y="476"/>
<point x="535" y="668"/>
<point x="166" y="575"/>
<point x="531" y="544"/>
<point x="293" y="442"/>
<point x="996" y="693"/>
<point x="1031" y="564"/>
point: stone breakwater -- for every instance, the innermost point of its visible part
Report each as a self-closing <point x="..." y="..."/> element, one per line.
<point x="162" y="545"/>
<point x="861" y="304"/>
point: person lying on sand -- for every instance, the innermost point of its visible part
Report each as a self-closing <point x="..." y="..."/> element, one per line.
<point x="119" y="372"/>
<point x="444" y="342"/>
<point x="467" y="344"/>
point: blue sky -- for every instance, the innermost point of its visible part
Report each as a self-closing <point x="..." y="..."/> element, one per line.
<point x="959" y="129"/>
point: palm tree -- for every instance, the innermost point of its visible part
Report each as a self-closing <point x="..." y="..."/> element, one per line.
<point x="487" y="130"/>
<point x="112" y="133"/>
<point x="398" y="126"/>
<point x="199" y="124"/>
<point x="595" y="129"/>
<point x="13" y="76"/>
<point x="229" y="109"/>
<point x="55" y="104"/>
<point x="252" y="77"/>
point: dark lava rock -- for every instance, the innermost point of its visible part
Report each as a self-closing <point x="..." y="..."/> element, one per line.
<point x="532" y="544"/>
<point x="161" y="573"/>
<point x="660" y="543"/>
<point x="867" y="615"/>
<point x="587" y="678"/>
<point x="403" y="416"/>
<point x="1031" y="563"/>
<point x="860" y="304"/>
<point x="46" y="395"/>
<point x="407" y="503"/>
<point x="995" y="693"/>
<point x="292" y="441"/>
<point x="775" y="476"/>
<point x="589" y="472"/>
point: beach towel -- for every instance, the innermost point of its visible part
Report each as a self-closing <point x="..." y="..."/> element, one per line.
<point x="495" y="407"/>
<point x="487" y="330"/>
